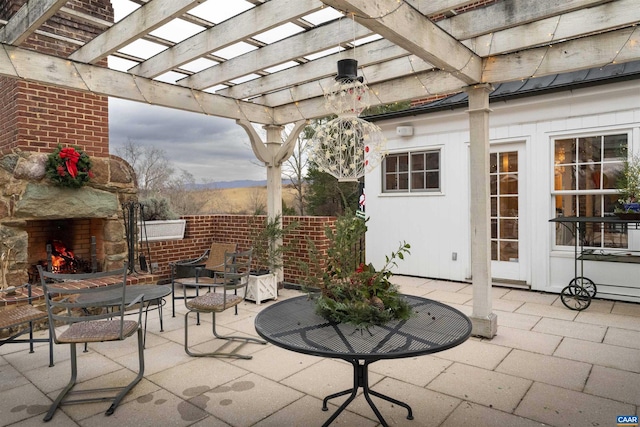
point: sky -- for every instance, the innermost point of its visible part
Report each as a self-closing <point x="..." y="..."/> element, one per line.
<point x="212" y="149"/>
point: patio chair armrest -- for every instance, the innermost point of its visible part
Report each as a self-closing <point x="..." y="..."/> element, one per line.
<point x="8" y="292"/>
<point x="138" y="299"/>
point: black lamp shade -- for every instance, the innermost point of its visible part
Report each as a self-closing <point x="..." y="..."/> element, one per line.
<point x="348" y="71"/>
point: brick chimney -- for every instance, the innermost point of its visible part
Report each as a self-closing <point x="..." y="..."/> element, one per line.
<point x="37" y="118"/>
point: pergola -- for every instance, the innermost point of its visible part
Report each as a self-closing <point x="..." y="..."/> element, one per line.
<point x="406" y="50"/>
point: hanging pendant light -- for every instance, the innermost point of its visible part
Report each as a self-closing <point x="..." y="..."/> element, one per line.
<point x="347" y="146"/>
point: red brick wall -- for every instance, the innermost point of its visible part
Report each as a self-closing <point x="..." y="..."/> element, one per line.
<point x="202" y="230"/>
<point x="37" y="117"/>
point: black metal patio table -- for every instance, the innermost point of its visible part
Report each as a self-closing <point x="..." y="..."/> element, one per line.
<point x="293" y="324"/>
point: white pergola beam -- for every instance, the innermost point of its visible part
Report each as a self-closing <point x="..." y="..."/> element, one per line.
<point x="409" y="29"/>
<point x="370" y="53"/>
<point x="285" y="50"/>
<point x="438" y="7"/>
<point x="51" y="70"/>
<point x="588" y="52"/>
<point x="140" y="22"/>
<point x="388" y="70"/>
<point x="253" y="21"/>
<point x="509" y="14"/>
<point x="570" y="25"/>
<point x="28" y="19"/>
<point x="418" y="85"/>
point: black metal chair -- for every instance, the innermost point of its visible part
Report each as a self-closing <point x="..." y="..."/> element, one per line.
<point x="19" y="319"/>
<point x="198" y="272"/>
<point x="100" y="320"/>
<point x="232" y="286"/>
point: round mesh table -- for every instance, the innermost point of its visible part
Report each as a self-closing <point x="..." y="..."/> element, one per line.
<point x="293" y="324"/>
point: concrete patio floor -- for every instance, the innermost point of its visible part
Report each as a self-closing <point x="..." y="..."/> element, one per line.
<point x="548" y="365"/>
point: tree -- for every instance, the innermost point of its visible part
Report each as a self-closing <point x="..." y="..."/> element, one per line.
<point x="326" y="196"/>
<point x="296" y="166"/>
<point x="151" y="164"/>
<point x="157" y="179"/>
<point x="183" y="201"/>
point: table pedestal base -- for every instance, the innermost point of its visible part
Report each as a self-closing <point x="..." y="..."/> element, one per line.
<point x="361" y="379"/>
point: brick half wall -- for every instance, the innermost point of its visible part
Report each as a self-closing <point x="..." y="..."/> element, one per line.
<point x="202" y="230"/>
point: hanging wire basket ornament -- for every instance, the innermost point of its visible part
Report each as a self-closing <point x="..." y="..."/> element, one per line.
<point x="346" y="147"/>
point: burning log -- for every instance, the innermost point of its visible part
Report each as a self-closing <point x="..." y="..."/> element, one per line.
<point x="61" y="259"/>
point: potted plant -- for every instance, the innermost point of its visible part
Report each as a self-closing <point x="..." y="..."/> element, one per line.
<point x="628" y="185"/>
<point x="268" y="248"/>
<point x="159" y="221"/>
<point x="351" y="291"/>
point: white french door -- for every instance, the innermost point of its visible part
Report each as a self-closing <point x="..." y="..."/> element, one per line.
<point x="507" y="178"/>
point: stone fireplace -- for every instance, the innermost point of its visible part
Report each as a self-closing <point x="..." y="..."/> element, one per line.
<point x="34" y="213"/>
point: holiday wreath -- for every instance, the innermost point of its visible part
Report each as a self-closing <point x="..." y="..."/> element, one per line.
<point x="69" y="167"/>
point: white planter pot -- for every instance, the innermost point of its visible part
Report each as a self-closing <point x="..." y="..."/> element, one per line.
<point x="162" y="230"/>
<point x="262" y="288"/>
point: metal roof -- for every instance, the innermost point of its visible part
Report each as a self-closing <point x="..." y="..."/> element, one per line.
<point x="529" y="87"/>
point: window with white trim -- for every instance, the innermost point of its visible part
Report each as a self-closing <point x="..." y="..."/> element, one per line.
<point x="407" y="172"/>
<point x="586" y="170"/>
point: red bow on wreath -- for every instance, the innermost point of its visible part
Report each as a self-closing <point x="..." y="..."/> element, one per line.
<point x="72" y="157"/>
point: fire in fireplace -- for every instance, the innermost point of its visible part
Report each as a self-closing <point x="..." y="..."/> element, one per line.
<point x="66" y="246"/>
<point x="62" y="259"/>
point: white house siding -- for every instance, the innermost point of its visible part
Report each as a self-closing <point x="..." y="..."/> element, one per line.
<point x="436" y="225"/>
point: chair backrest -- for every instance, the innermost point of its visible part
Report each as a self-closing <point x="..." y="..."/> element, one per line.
<point x="237" y="267"/>
<point x="68" y="304"/>
<point x="216" y="259"/>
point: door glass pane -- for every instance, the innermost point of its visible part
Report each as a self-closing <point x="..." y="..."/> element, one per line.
<point x="508" y="228"/>
<point x="509" y="184"/>
<point x="509" y="162"/>
<point x="493" y="163"/>
<point x="509" y="206"/>
<point x="503" y="180"/>
<point x="508" y="251"/>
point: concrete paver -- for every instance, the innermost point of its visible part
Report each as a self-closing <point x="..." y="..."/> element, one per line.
<point x="547" y="366"/>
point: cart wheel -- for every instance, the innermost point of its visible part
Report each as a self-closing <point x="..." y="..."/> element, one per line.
<point x="575" y="297"/>
<point x="586" y="283"/>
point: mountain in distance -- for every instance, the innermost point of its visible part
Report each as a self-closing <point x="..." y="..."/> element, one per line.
<point x="243" y="183"/>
